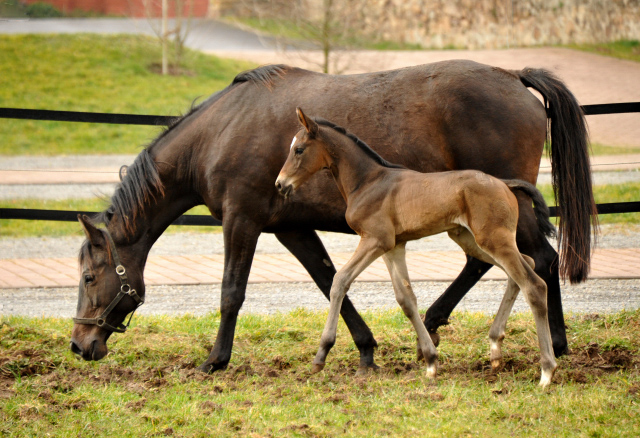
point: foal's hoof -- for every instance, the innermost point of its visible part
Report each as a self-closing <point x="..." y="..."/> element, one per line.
<point x="496" y="364"/>
<point x="366" y="370"/>
<point x="432" y="371"/>
<point x="316" y="368"/>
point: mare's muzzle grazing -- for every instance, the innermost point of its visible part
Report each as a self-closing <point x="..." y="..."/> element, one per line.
<point x="97" y="349"/>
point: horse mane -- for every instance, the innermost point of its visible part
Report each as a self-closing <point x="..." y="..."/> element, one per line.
<point x="263" y="75"/>
<point x="141" y="183"/>
<point x="361" y="144"/>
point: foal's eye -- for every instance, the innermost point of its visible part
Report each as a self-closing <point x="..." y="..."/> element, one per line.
<point x="299" y="151"/>
<point x="88" y="279"/>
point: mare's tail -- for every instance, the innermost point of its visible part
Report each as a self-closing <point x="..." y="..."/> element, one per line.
<point x="570" y="172"/>
<point x="540" y="208"/>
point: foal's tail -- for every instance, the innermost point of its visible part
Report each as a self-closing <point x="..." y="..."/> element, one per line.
<point x="540" y="207"/>
<point x="570" y="172"/>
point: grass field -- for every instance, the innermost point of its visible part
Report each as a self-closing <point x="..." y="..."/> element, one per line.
<point x="96" y="73"/>
<point x="148" y="386"/>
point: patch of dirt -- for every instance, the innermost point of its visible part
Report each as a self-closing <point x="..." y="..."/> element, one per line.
<point x="24" y="363"/>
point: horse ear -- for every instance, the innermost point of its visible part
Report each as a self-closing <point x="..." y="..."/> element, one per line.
<point x="309" y="124"/>
<point x="93" y="234"/>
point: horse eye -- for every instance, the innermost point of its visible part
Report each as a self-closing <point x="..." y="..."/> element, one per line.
<point x="299" y="151"/>
<point x="88" y="278"/>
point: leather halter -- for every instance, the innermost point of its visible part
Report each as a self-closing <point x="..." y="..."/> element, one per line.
<point x="125" y="290"/>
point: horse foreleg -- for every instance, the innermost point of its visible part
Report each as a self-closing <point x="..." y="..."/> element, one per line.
<point x="367" y="251"/>
<point x="397" y="266"/>
<point x="497" y="331"/>
<point x="307" y="247"/>
<point x="240" y="239"/>
<point x="439" y="312"/>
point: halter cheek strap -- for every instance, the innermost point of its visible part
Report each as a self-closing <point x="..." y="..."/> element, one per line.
<point x="125" y="290"/>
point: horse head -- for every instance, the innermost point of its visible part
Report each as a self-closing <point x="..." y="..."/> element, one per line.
<point x="304" y="159"/>
<point x="111" y="287"/>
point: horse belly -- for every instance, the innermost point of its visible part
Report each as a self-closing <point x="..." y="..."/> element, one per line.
<point x="426" y="205"/>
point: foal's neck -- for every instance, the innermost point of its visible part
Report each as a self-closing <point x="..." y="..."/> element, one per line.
<point x="351" y="166"/>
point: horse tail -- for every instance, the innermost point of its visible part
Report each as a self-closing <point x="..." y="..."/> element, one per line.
<point x="540" y="208"/>
<point x="570" y="172"/>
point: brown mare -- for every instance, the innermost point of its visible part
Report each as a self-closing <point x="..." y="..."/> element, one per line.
<point x="226" y="153"/>
<point x="389" y="205"/>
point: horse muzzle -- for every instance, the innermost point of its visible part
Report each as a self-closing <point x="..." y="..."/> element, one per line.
<point x="283" y="187"/>
<point x="93" y="348"/>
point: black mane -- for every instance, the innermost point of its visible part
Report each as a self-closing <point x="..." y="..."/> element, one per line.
<point x="361" y="144"/>
<point x="142" y="182"/>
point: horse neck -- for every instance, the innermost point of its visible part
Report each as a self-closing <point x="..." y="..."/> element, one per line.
<point x="350" y="166"/>
<point x="162" y="208"/>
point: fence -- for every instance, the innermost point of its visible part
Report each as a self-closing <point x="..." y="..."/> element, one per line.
<point x="205" y="220"/>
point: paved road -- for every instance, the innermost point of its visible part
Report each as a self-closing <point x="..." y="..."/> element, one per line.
<point x="205" y="35"/>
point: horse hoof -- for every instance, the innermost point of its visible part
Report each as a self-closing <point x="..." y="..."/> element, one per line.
<point x="496" y="364"/>
<point x="209" y="368"/>
<point x="366" y="370"/>
<point x="431" y="371"/>
<point x="316" y="368"/>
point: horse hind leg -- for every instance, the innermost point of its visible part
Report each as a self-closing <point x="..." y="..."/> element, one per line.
<point x="497" y="331"/>
<point x="396" y="264"/>
<point x="501" y="246"/>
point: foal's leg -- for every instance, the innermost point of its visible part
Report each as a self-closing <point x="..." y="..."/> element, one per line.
<point x="367" y="251"/>
<point x="396" y="264"/>
<point x="534" y="288"/>
<point x="497" y="331"/>
<point x="533" y="243"/>
<point x="307" y="247"/>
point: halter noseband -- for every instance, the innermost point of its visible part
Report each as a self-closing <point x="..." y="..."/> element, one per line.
<point x="125" y="290"/>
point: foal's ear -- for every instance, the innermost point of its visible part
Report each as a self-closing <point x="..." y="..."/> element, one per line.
<point x="93" y="234"/>
<point x="308" y="123"/>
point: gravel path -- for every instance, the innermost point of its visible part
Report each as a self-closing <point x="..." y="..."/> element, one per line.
<point x="595" y="296"/>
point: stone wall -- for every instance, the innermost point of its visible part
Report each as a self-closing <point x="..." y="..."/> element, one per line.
<point x="485" y="24"/>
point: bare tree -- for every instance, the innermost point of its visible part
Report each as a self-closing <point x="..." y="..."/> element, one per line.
<point x="331" y="26"/>
<point x="173" y="33"/>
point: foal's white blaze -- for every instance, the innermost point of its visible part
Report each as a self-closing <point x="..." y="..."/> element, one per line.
<point x="292" y="142"/>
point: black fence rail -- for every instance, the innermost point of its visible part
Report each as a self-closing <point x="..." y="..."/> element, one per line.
<point x="202" y="220"/>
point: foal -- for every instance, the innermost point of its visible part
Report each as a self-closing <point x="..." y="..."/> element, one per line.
<point x="388" y="205"/>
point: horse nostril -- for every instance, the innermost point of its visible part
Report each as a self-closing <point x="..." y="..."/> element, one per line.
<point x="75" y="348"/>
<point x="278" y="185"/>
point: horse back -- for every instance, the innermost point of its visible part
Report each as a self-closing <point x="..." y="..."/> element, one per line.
<point x="436" y="117"/>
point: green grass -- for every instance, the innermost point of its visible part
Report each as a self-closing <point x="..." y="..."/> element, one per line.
<point x="622" y="49"/>
<point x="600" y="149"/>
<point x="290" y="30"/>
<point x="628" y="192"/>
<point x="95" y="73"/>
<point x="148" y="386"/>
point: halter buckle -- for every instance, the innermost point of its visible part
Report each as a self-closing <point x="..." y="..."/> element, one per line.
<point x="120" y="270"/>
